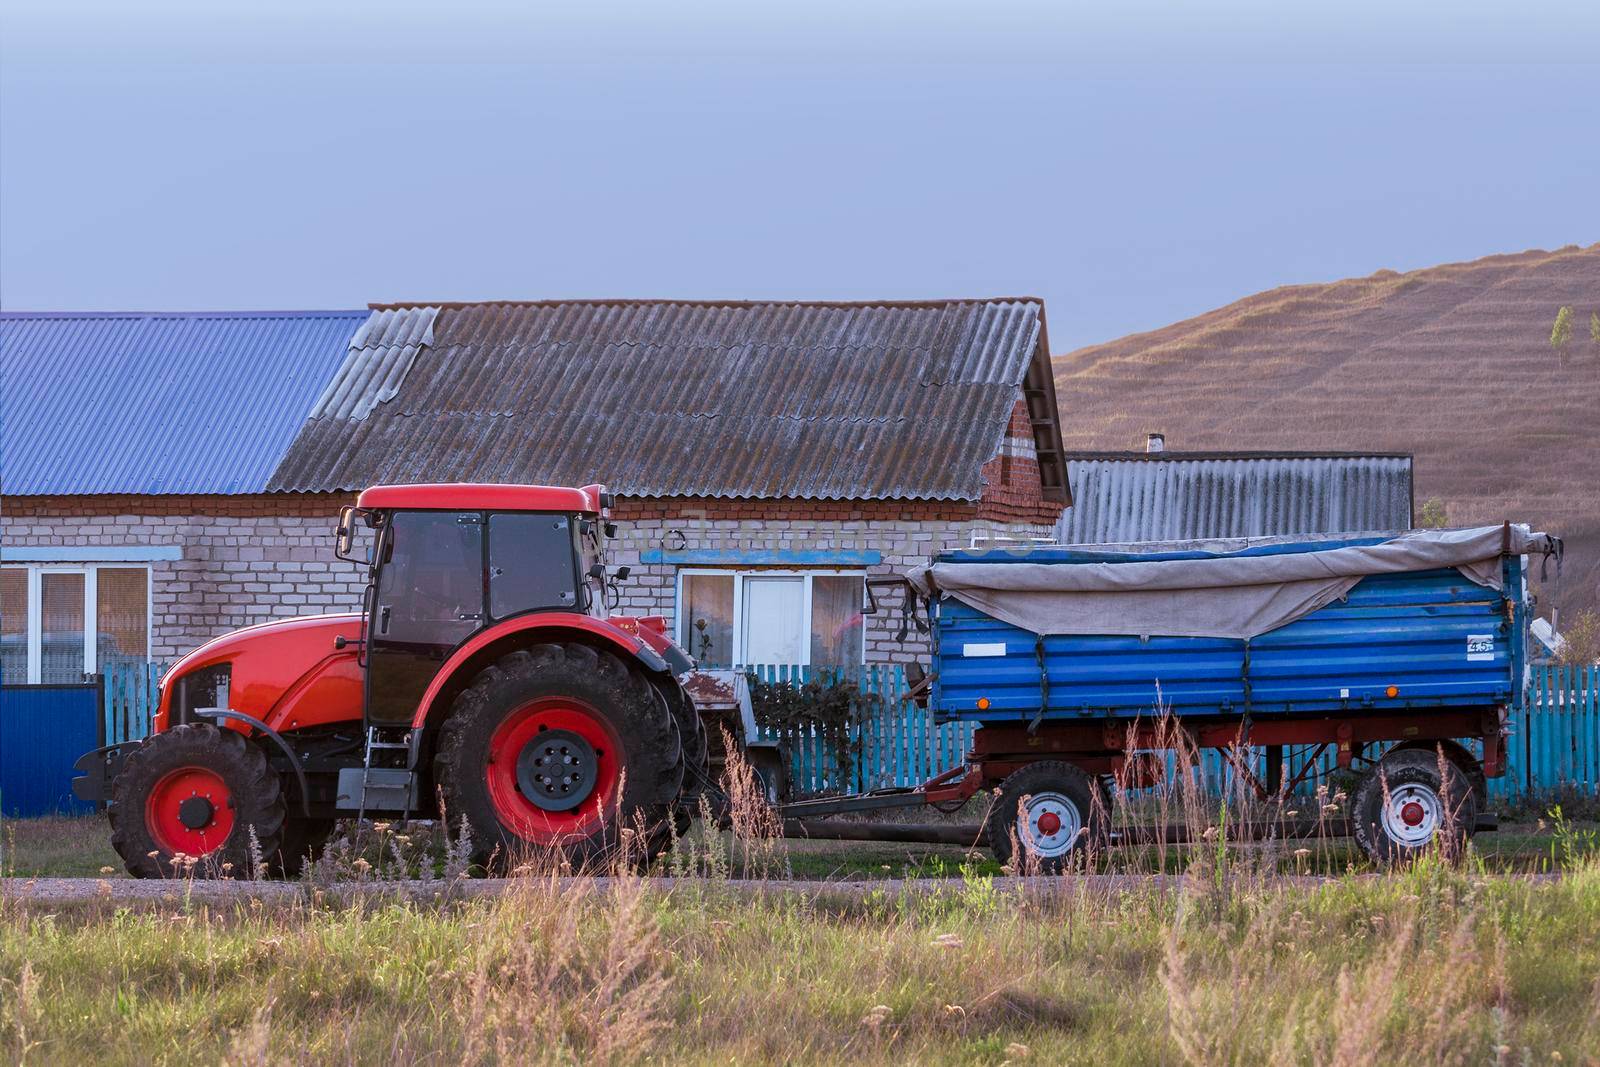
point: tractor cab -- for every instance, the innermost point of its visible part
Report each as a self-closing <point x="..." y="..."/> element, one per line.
<point x="447" y="561"/>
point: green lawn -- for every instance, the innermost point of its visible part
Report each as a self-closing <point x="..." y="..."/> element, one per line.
<point x="81" y="847"/>
<point x="1438" y="964"/>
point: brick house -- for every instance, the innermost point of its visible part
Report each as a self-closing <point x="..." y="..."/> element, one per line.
<point x="768" y="457"/>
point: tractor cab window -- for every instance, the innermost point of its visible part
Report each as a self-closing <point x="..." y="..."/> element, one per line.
<point x="430" y="588"/>
<point x="532" y="558"/>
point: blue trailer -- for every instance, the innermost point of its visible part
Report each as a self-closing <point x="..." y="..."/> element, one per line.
<point x="1401" y="653"/>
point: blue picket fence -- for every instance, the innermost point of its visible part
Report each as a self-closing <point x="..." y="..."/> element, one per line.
<point x="1554" y="743"/>
<point x="1555" y="734"/>
<point x="897" y="745"/>
<point x="132" y="694"/>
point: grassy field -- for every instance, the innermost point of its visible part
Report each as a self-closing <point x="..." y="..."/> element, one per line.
<point x="81" y="847"/>
<point x="1442" y="963"/>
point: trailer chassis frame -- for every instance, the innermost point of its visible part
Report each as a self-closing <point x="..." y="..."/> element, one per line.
<point x="1128" y="752"/>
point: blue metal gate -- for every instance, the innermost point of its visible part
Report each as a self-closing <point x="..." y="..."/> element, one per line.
<point x="43" y="730"/>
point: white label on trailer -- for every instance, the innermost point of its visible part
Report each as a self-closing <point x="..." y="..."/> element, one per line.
<point x="998" y="648"/>
<point x="1344" y="694"/>
<point x="1480" y="648"/>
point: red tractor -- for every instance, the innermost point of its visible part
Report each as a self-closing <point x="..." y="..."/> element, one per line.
<point x="483" y="672"/>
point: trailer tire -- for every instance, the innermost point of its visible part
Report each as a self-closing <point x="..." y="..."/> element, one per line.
<point x="1048" y="809"/>
<point x="199" y="791"/>
<point x="1457" y="753"/>
<point x="771" y="771"/>
<point x="1403" y="808"/>
<point x="607" y="725"/>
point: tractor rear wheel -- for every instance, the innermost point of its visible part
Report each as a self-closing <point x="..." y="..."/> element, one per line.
<point x="562" y="747"/>
<point x="696" y="746"/>
<point x="196" y="792"/>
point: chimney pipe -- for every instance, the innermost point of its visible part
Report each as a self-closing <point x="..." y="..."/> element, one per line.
<point x="1155" y="442"/>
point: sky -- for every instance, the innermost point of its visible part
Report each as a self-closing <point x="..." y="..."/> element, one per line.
<point x="1133" y="163"/>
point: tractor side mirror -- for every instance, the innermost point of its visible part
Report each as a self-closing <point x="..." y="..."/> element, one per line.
<point x="621" y="573"/>
<point x="344" y="535"/>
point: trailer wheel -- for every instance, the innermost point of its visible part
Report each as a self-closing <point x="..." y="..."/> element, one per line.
<point x="559" y="746"/>
<point x="1047" y="808"/>
<point x="771" y="771"/>
<point x="1403" y="807"/>
<point x="196" y="791"/>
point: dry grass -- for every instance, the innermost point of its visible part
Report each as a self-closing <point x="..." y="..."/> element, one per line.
<point x="1229" y="968"/>
<point x="1443" y="962"/>
<point x="1452" y="363"/>
<point x="1434" y="965"/>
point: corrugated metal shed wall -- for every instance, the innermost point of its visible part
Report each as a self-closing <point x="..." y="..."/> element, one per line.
<point x="1173" y="497"/>
<point x="158" y="403"/>
<point x="823" y="401"/>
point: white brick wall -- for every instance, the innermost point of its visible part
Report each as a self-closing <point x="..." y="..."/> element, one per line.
<point x="235" y="571"/>
<point x="238" y="570"/>
<point x="903" y="543"/>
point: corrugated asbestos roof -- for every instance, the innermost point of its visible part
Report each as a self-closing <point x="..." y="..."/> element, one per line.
<point x="822" y="401"/>
<point x="1173" y="496"/>
<point x="156" y="402"/>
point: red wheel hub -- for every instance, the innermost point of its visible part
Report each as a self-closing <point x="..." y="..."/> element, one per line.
<point x="536" y="823"/>
<point x="190" y="810"/>
<point x="1049" y="824"/>
<point x="1412" y="814"/>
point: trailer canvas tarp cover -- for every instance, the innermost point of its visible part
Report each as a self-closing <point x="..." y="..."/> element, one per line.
<point x="1235" y="588"/>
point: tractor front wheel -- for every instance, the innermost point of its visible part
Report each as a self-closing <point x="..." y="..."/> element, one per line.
<point x="190" y="799"/>
<point x="559" y="747"/>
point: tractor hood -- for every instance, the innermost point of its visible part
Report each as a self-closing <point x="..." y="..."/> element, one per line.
<point x="272" y="668"/>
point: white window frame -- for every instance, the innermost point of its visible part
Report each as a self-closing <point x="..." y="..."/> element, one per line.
<point x="685" y="640"/>
<point x="91" y="615"/>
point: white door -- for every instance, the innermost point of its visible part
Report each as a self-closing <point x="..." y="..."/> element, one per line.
<point x="774" y="620"/>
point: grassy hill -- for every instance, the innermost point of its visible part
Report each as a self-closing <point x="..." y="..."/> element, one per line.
<point x="1452" y="363"/>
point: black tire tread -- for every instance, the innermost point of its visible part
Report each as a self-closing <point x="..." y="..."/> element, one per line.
<point x="1054" y="775"/>
<point x="257" y="791"/>
<point x="696" y="745"/>
<point x="1397" y="767"/>
<point x="638" y="713"/>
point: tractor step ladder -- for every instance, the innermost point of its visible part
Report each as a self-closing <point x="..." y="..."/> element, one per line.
<point x="392" y="781"/>
<point x="375" y="741"/>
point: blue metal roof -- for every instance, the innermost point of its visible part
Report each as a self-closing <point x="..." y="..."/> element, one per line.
<point x="158" y="402"/>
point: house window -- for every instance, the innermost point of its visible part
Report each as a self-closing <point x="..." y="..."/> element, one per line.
<point x="59" y="622"/>
<point x="770" y="616"/>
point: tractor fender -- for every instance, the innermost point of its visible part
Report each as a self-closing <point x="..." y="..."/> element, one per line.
<point x="487" y="645"/>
